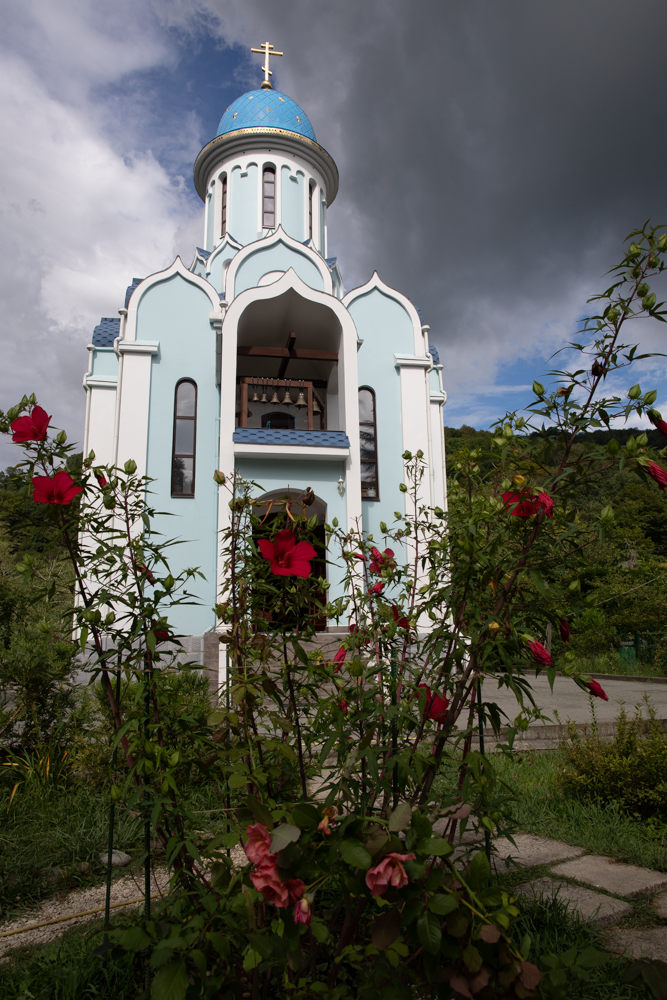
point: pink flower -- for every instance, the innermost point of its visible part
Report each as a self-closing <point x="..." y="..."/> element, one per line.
<point x="520" y="504"/>
<point x="258" y="845"/>
<point x="381" y="560"/>
<point x="287" y="556"/>
<point x="438" y="705"/>
<point x="596" y="690"/>
<point x="546" y="503"/>
<point x="377" y="588"/>
<point x="281" y="894"/>
<point x="658" y="473"/>
<point x="540" y="653"/>
<point x="342" y="704"/>
<point x="564" y="631"/>
<point x="389" y="872"/>
<point x="59" y="489"/>
<point x="302" y="912"/>
<point x="32" y="427"/>
<point x="328" y="814"/>
<point x="402" y="622"/>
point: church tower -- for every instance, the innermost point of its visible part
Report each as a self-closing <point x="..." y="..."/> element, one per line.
<point x="254" y="358"/>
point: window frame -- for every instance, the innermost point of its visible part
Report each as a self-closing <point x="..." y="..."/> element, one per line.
<point x="174" y="453"/>
<point x="373" y="424"/>
<point x="223" y="205"/>
<point x="312" y="188"/>
<point x="269" y="168"/>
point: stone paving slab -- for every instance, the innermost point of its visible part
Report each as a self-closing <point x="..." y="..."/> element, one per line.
<point x="612" y="876"/>
<point x="531" y="851"/>
<point x="651" y="943"/>
<point x="591" y="906"/>
<point x="660" y="904"/>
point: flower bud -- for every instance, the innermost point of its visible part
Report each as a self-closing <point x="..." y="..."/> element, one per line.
<point x="61" y="437"/>
<point x="518" y="480"/>
<point x="219" y="477"/>
<point x="130" y="467"/>
<point x="495" y="627"/>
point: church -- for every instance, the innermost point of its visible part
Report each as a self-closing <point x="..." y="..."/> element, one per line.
<point x="254" y="358"/>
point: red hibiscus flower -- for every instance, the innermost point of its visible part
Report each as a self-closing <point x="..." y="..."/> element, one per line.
<point x="381" y="560"/>
<point x="339" y="658"/>
<point x="520" y="504"/>
<point x="564" y="631"/>
<point x="402" y="622"/>
<point x="596" y="690"/>
<point x="390" y="872"/>
<point x="287" y="556"/>
<point x="657" y="422"/>
<point x="658" y="473"/>
<point x="32" y="427"/>
<point x="57" y="489"/>
<point x="161" y="634"/>
<point x="302" y="912"/>
<point x="546" y="503"/>
<point x="540" y="653"/>
<point x="101" y="480"/>
<point x="342" y="704"/>
<point x="436" y="706"/>
<point x="377" y="588"/>
<point x="146" y="572"/>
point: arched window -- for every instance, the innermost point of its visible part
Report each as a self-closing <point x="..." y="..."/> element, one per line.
<point x="311" y="195"/>
<point x="185" y="439"/>
<point x="269" y="197"/>
<point x="223" y="227"/>
<point x="368" y="440"/>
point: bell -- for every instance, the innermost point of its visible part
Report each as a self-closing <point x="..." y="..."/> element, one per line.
<point x="263" y="399"/>
<point x="301" y="399"/>
<point x="287" y="398"/>
<point x="255" y="397"/>
<point x="316" y="405"/>
<point x="275" y="399"/>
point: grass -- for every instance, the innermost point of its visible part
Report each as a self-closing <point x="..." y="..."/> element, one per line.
<point x="539" y="808"/>
<point x="46" y="835"/>
<point x="67" y="969"/>
<point x="610" y="663"/>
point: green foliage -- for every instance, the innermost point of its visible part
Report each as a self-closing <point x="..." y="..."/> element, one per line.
<point x="629" y="770"/>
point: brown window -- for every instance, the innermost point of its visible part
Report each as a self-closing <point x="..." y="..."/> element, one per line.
<point x="368" y="440"/>
<point x="185" y="439"/>
<point x="269" y="198"/>
<point x="223" y="228"/>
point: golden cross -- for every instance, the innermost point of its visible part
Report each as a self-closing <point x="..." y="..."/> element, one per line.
<point x="266" y="49"/>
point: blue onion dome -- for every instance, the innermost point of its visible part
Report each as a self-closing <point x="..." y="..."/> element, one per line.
<point x="266" y="109"/>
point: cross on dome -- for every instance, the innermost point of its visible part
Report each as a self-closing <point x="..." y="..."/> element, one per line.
<point x="267" y="49"/>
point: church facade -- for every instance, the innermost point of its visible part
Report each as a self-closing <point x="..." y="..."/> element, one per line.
<point x="255" y="359"/>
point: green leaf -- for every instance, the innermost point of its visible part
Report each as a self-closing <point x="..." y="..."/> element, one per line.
<point x="436" y="846"/>
<point x="386" y="929"/>
<point x="480" y="872"/>
<point x="354" y="853"/>
<point x="251" y="960"/>
<point x="260" y="812"/>
<point x="237" y="780"/>
<point x="283" y="835"/>
<point x="443" y="904"/>
<point x="429" y="933"/>
<point x="134" y="939"/>
<point x="300" y="652"/>
<point x="171" y="982"/>
<point x="320" y="930"/>
<point x="400" y="817"/>
<point x="306" y="816"/>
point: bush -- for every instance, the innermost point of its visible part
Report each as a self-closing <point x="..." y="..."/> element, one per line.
<point x="629" y="770"/>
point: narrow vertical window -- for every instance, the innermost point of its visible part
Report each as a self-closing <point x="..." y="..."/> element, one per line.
<point x="368" y="441"/>
<point x="185" y="439"/>
<point x="223" y="228"/>
<point x="269" y="198"/>
<point x="311" y="194"/>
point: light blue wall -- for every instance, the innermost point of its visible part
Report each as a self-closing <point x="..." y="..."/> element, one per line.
<point x="105" y="363"/>
<point x="242" y="195"/>
<point x="434" y="383"/>
<point x="322" y="477"/>
<point x="386" y="329"/>
<point x="293" y="204"/>
<point x="277" y="257"/>
<point x="216" y="260"/>
<point x="176" y="313"/>
<point x="210" y="221"/>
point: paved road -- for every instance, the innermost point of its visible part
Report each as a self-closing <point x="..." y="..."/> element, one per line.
<point x="571" y="703"/>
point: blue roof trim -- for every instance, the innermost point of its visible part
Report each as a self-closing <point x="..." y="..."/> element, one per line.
<point x="106" y="331"/>
<point x="130" y="289"/>
<point x="433" y="351"/>
<point x="419" y="313"/>
<point x="222" y="296"/>
<point x="204" y="253"/>
<point x="267" y="435"/>
<point x="268" y="109"/>
<point x="331" y="261"/>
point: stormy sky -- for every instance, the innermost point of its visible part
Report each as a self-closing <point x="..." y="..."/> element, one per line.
<point x="493" y="155"/>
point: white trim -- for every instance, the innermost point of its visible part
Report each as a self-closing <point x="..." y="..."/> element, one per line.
<point x="99" y="382"/>
<point x="276" y="236"/>
<point x="300" y="451"/>
<point x="411" y="361"/>
<point x="376" y="283"/>
<point x="139" y="347"/>
<point x="178" y="267"/>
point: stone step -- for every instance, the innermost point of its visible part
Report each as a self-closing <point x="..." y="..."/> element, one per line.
<point x="593" y="907"/>
<point x="529" y="851"/>
<point x="612" y="876"/>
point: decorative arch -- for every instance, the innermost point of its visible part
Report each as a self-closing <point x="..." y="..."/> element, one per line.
<point x="275" y="239"/>
<point x="376" y="284"/>
<point x="177" y="269"/>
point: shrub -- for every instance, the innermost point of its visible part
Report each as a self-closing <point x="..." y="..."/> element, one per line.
<point x="629" y="770"/>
